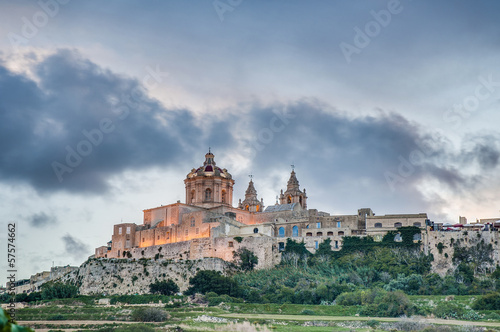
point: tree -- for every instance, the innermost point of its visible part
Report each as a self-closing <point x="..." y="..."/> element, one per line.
<point x="324" y="248"/>
<point x="246" y="259"/>
<point x="58" y="290"/>
<point x="213" y="281"/>
<point x="168" y="287"/>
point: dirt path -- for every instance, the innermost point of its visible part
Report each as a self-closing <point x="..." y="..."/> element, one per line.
<point x="351" y="318"/>
<point x="76" y="323"/>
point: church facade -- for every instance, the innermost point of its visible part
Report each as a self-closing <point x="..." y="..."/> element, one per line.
<point x="207" y="225"/>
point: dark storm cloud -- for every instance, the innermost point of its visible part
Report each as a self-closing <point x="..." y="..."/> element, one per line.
<point x="333" y="148"/>
<point x="44" y="124"/>
<point x="81" y="124"/>
<point x="75" y="247"/>
<point x="41" y="220"/>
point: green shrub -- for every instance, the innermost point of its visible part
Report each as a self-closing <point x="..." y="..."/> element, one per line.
<point x="213" y="281"/>
<point x="168" y="287"/>
<point x="449" y="310"/>
<point x="149" y="315"/>
<point x="487" y="302"/>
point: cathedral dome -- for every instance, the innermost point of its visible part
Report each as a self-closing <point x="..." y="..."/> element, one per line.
<point x="209" y="169"/>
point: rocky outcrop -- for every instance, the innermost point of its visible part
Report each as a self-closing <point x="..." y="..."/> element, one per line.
<point x="130" y="276"/>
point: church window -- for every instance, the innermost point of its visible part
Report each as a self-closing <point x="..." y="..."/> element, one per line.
<point x="281" y="232"/>
<point x="339" y="224"/>
<point x="417" y="224"/>
<point x="193" y="194"/>
<point x="398" y="224"/>
<point x="247" y="207"/>
<point x="295" y="231"/>
<point x="307" y="226"/>
<point x="208" y="194"/>
<point x="319" y="234"/>
<point x="378" y="225"/>
<point x="329" y="234"/>
<point x="289" y="199"/>
<point x="128" y="230"/>
<point x="318" y="225"/>
<point x="119" y="231"/>
<point x="257" y="208"/>
<point x="316" y="245"/>
<point x="341" y="233"/>
<point x="193" y="222"/>
<point x="223" y="196"/>
<point x="300" y="200"/>
<point x="255" y="230"/>
<point x="309" y="234"/>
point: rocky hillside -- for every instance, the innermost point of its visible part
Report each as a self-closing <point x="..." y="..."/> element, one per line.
<point x="126" y="276"/>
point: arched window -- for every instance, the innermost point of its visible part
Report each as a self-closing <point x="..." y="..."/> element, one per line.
<point x="295" y="231"/>
<point x="378" y="225"/>
<point x="257" y="208"/>
<point x="223" y="196"/>
<point x="341" y="233"/>
<point x="208" y="194"/>
<point x="289" y="199"/>
<point x="255" y="230"/>
<point x="398" y="224"/>
<point x="329" y="234"/>
<point x="247" y="207"/>
<point x="398" y="238"/>
<point x="193" y="194"/>
<point x="300" y="200"/>
<point x="417" y="224"/>
<point x="281" y="232"/>
<point x="281" y="246"/>
<point x="309" y="234"/>
<point x="319" y="234"/>
<point x="193" y="222"/>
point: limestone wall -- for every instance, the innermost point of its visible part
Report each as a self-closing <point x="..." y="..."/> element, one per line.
<point x="125" y="276"/>
<point x="442" y="263"/>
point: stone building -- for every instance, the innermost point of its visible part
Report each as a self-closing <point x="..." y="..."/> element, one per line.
<point x="207" y="224"/>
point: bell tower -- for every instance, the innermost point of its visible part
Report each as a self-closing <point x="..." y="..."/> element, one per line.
<point x="293" y="194"/>
<point x="251" y="202"/>
<point x="209" y="185"/>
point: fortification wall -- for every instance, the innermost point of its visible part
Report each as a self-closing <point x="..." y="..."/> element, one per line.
<point x="443" y="263"/>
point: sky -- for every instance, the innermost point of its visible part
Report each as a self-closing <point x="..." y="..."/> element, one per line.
<point x="105" y="107"/>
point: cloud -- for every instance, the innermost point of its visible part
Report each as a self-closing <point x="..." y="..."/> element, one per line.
<point x="93" y="124"/>
<point x="41" y="220"/>
<point x="74" y="247"/>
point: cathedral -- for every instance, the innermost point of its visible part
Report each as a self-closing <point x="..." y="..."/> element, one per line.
<point x="207" y="224"/>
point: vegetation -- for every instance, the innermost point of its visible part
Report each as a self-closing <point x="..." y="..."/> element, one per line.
<point x="245" y="259"/>
<point x="168" y="287"/>
<point x="213" y="281"/>
<point x="149" y="315"/>
<point x="6" y="324"/>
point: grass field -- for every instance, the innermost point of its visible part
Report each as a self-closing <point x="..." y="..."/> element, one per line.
<point x="84" y="315"/>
